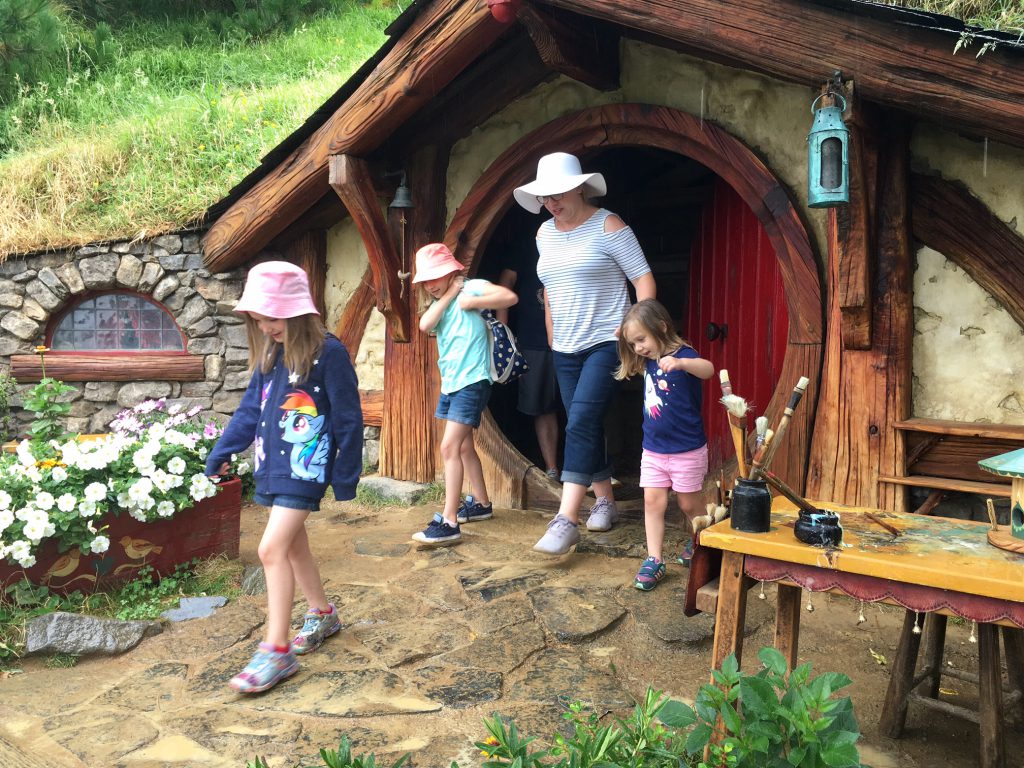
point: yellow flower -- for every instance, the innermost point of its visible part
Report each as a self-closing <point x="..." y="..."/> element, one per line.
<point x="42" y="350"/>
<point x="491" y="742"/>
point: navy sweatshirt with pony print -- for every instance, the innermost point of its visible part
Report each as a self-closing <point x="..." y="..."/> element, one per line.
<point x="306" y="434"/>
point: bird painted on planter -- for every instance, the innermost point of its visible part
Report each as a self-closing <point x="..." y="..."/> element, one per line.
<point x="63" y="566"/>
<point x="137" y="549"/>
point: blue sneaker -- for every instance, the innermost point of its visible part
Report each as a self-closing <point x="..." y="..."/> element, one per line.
<point x="471" y="511"/>
<point x="438" y="532"/>
<point x="267" y="668"/>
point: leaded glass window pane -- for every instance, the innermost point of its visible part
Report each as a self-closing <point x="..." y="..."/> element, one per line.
<point x="117" y="321"/>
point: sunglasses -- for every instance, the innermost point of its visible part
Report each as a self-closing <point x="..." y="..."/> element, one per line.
<point x="543" y="199"/>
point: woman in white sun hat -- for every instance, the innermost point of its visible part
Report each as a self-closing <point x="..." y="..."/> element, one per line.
<point x="587" y="256"/>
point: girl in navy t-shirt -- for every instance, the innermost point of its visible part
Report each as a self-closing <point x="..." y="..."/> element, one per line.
<point x="675" y="448"/>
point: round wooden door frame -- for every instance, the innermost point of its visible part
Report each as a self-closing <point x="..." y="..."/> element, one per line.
<point x="675" y="131"/>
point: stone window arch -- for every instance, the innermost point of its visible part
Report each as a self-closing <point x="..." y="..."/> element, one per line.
<point x="115" y="321"/>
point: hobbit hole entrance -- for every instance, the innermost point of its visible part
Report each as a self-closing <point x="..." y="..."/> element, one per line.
<point x="715" y="268"/>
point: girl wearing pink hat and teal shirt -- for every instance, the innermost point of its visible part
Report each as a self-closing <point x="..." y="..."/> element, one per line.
<point x="463" y="357"/>
<point x="302" y="412"/>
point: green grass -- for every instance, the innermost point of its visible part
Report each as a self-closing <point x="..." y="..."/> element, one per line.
<point x="145" y="597"/>
<point x="168" y="126"/>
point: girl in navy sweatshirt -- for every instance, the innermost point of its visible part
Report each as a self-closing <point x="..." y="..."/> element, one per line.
<point x="302" y="412"/>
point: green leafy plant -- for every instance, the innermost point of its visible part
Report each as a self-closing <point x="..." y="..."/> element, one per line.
<point x="772" y="718"/>
<point x="7" y="389"/>
<point x="341" y="757"/>
<point x="49" y="405"/>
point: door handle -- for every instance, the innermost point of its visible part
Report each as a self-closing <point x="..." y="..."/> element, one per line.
<point x="716" y="331"/>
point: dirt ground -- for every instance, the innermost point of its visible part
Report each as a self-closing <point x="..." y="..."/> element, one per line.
<point x="401" y="602"/>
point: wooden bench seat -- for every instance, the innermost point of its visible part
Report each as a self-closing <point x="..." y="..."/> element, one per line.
<point x="950" y="484"/>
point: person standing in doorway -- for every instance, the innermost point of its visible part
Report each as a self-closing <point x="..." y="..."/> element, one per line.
<point x="588" y="256"/>
<point x="538" y="387"/>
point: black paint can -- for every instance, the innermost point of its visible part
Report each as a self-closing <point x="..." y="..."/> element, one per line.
<point x="751" y="508"/>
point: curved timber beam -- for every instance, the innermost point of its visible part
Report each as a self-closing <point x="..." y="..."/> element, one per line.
<point x="350" y="178"/>
<point x="948" y="218"/>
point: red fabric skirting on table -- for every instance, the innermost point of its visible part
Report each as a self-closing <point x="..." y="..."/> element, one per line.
<point x="871" y="589"/>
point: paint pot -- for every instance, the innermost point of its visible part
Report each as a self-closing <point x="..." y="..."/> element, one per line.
<point x="751" y="509"/>
<point x="821" y="529"/>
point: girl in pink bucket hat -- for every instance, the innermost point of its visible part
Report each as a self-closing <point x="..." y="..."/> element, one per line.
<point x="302" y="412"/>
<point x="463" y="358"/>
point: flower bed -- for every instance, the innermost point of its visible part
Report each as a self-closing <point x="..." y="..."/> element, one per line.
<point x="139" y="494"/>
<point x="208" y="527"/>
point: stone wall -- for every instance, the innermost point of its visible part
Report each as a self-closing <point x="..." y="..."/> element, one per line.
<point x="169" y="269"/>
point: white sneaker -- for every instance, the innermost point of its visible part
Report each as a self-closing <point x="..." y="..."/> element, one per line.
<point x="561" y="535"/>
<point x="603" y="515"/>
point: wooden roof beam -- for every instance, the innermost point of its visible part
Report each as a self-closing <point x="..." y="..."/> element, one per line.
<point x="911" y="69"/>
<point x="350" y="178"/>
<point x="441" y="43"/>
<point x="584" y="52"/>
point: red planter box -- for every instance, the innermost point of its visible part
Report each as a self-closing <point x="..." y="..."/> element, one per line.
<point x="210" y="527"/>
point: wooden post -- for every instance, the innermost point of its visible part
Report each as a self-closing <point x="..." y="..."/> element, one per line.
<point x="787" y="623"/>
<point x="410" y="435"/>
<point x="309" y="251"/>
<point x="894" y="709"/>
<point x="863" y="392"/>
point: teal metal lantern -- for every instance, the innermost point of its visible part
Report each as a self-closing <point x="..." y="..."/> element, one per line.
<point x="1011" y="465"/>
<point x="828" y="156"/>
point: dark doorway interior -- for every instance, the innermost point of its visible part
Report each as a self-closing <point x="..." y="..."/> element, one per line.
<point x="661" y="195"/>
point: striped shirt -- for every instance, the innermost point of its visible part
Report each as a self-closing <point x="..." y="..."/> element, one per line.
<point x="584" y="274"/>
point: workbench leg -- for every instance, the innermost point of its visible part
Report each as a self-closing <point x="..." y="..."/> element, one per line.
<point x="894" y="710"/>
<point x="990" y="695"/>
<point x="934" y="645"/>
<point x="787" y="623"/>
<point x="732" y="610"/>
<point x="1013" y="644"/>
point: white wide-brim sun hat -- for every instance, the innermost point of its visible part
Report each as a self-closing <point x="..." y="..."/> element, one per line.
<point x="557" y="173"/>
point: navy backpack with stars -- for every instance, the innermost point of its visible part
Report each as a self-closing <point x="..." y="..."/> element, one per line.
<point x="507" y="362"/>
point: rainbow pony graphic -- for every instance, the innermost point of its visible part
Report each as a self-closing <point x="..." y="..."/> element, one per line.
<point x="303" y="427"/>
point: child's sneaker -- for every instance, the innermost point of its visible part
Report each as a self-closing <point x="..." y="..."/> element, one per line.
<point x="267" y="668"/>
<point x="603" y="515"/>
<point x="471" y="511"/>
<point x="687" y="555"/>
<point x="561" y="535"/>
<point x="316" y="628"/>
<point x="438" y="532"/>
<point x="651" y="572"/>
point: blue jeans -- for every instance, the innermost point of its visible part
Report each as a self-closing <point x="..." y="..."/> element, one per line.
<point x="288" y="502"/>
<point x="586" y="381"/>
<point x="466" y="405"/>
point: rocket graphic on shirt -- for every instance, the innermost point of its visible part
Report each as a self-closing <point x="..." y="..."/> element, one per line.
<point x="652" y="400"/>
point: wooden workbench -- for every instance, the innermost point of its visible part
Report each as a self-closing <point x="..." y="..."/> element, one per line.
<point x="933" y="565"/>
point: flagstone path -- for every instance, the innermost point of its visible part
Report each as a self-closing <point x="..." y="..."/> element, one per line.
<point x="433" y="641"/>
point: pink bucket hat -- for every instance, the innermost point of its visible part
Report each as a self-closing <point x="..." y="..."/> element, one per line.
<point x="277" y="289"/>
<point x="434" y="261"/>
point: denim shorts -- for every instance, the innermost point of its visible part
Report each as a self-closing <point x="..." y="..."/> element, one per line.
<point x="288" y="502"/>
<point x="464" y="406"/>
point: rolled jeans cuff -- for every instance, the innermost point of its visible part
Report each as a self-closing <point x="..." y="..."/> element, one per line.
<point x="582" y="479"/>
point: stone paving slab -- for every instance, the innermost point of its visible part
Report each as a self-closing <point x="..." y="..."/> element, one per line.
<point x="432" y="642"/>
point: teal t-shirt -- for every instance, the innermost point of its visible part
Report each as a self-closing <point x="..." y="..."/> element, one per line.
<point x="463" y="352"/>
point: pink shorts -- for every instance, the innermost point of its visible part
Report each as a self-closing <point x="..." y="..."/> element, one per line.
<point x="682" y="472"/>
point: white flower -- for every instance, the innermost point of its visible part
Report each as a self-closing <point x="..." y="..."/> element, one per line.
<point x="123" y="500"/>
<point x="66" y="502"/>
<point x="22" y="552"/>
<point x="5" y="500"/>
<point x="23" y="513"/>
<point x="242" y="468"/>
<point x="140" y="488"/>
<point x="162" y="481"/>
<point x="24" y="452"/>
<point x="165" y="508"/>
<point x="87" y="508"/>
<point x="6" y="518"/>
<point x="176" y="465"/>
<point x="100" y="544"/>
<point x="45" y="500"/>
<point x="59" y="474"/>
<point x="95" y="492"/>
<point x="34" y="474"/>
<point x="138" y="514"/>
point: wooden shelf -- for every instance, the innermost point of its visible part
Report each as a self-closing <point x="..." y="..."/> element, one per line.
<point x="963" y="428"/>
<point x="950" y="484"/>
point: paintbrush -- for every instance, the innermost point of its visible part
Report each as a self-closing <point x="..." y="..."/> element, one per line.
<point x="760" y="453"/>
<point x="789" y="493"/>
<point x="760" y="430"/>
<point x="787" y="415"/>
<point x="992" y="514"/>
<point x="723" y="378"/>
<point x="737" y="408"/>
